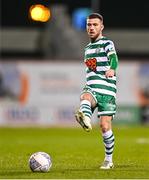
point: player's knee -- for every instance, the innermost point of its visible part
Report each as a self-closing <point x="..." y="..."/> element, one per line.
<point x="86" y="96"/>
<point x="105" y="123"/>
<point x="104" y="127"/>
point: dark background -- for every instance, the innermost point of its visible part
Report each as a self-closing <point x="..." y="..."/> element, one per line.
<point x="117" y="13"/>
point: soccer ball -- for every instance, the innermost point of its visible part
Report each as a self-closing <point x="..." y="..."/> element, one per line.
<point x="40" y="162"/>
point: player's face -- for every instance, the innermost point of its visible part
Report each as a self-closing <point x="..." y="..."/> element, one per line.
<point x="94" y="28"/>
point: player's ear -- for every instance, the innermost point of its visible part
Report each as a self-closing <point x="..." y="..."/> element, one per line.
<point x="102" y="27"/>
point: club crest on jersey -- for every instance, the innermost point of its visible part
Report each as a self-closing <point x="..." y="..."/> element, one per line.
<point x="98" y="50"/>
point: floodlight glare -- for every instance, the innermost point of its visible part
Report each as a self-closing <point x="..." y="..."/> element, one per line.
<point x="40" y="13"/>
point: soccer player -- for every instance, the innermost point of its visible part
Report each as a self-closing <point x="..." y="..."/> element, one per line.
<point x="100" y="90"/>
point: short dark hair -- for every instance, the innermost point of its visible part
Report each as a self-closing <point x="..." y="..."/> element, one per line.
<point x="95" y="15"/>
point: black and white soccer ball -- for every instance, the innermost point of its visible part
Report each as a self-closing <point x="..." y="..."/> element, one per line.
<point x="40" y="162"/>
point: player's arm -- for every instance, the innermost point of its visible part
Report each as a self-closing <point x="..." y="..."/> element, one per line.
<point x="113" y="65"/>
<point x="113" y="61"/>
<point x="112" y="56"/>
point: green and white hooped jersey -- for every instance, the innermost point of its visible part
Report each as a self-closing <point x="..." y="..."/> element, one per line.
<point x="97" y="62"/>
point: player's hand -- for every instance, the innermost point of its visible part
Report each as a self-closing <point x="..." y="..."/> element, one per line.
<point x="110" y="73"/>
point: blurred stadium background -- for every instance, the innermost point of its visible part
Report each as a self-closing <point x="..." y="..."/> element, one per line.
<point x="41" y="59"/>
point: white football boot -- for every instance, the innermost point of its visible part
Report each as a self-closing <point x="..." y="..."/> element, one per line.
<point x="83" y="120"/>
<point x="107" y="165"/>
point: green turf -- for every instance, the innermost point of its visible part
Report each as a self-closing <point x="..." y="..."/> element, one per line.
<point x="75" y="153"/>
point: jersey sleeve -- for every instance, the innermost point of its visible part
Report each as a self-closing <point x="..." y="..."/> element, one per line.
<point x="109" y="48"/>
<point x="111" y="54"/>
<point x="113" y="61"/>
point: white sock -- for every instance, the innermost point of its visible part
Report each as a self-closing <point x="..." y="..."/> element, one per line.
<point x="108" y="139"/>
<point x="85" y="107"/>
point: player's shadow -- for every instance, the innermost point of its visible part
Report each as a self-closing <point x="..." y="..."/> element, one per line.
<point x="74" y="169"/>
<point x="129" y="167"/>
<point x="11" y="174"/>
<point x="124" y="166"/>
<point x="62" y="170"/>
<point x="96" y="168"/>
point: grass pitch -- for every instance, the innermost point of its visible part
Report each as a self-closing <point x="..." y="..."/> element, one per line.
<point x="75" y="153"/>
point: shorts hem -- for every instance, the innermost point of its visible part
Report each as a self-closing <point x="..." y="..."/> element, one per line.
<point x="106" y="115"/>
